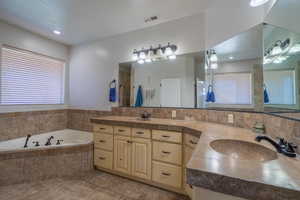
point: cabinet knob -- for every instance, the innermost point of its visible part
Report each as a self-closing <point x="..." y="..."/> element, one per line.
<point x="140" y="133"/>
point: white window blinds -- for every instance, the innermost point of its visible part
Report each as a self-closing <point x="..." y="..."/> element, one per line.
<point x="29" y="78"/>
<point x="235" y="88"/>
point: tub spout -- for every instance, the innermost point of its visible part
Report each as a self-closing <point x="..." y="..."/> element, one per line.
<point x="26" y="142"/>
<point x="49" y="141"/>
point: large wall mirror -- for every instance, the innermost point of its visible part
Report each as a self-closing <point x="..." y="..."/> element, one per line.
<point x="161" y="83"/>
<point x="282" y="59"/>
<point x="234" y="72"/>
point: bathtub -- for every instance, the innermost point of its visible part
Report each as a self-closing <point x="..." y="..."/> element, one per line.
<point x="69" y="137"/>
<point x="73" y="157"/>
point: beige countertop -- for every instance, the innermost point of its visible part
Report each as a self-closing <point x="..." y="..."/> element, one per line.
<point x="275" y="179"/>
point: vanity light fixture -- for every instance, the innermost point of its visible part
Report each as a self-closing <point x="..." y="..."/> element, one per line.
<point x="280" y="59"/>
<point x="256" y="3"/>
<point x="154" y="54"/>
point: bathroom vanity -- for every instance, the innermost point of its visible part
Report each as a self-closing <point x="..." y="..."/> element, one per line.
<point x="146" y="152"/>
<point x="194" y="158"/>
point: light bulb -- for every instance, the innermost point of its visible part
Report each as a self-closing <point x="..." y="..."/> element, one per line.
<point x="172" y="57"/>
<point x="168" y="51"/>
<point x="135" y="56"/>
<point x="148" y="60"/>
<point x="159" y="53"/>
<point x="56" y="32"/>
<point x="214" y="65"/>
<point x="295" y="49"/>
<point x="256" y="3"/>
<point x="276" y="50"/>
<point x="141" y="61"/>
<point x="213" y="57"/>
<point x="142" y="55"/>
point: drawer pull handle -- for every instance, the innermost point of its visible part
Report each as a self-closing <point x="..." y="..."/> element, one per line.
<point x="166" y="152"/>
<point x="165" y="136"/>
<point x="101" y="158"/>
<point x="192" y="142"/>
<point x="165" y="174"/>
<point x="102" y="128"/>
<point x="140" y="133"/>
<point x="102" y="141"/>
<point x="121" y="130"/>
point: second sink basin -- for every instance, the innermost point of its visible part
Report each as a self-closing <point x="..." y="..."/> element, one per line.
<point x="243" y="150"/>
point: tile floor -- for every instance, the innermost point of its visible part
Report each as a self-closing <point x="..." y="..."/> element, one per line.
<point x="94" y="186"/>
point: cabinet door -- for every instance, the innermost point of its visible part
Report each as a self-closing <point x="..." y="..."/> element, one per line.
<point x="141" y="158"/>
<point x="122" y="154"/>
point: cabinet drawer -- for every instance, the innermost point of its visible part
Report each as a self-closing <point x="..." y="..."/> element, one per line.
<point x="167" y="174"/>
<point x="167" y="152"/>
<point x="167" y="136"/>
<point x="190" y="140"/>
<point x="103" y="128"/>
<point x="122" y="130"/>
<point x="142" y="133"/>
<point x="103" y="159"/>
<point x="103" y="141"/>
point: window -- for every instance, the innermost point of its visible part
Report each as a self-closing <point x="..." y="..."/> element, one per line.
<point x="30" y="78"/>
<point x="233" y="88"/>
<point x="280" y="86"/>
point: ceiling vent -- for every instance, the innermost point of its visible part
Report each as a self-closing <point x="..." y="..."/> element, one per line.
<point x="151" y="19"/>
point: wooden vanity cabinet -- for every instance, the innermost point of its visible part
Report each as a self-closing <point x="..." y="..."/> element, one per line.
<point x="155" y="157"/>
<point x="122" y="154"/>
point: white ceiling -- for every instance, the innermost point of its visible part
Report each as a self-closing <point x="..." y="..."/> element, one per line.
<point x="85" y="20"/>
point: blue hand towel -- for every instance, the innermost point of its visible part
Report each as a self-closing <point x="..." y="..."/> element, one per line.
<point x="139" y="97"/>
<point x="210" y="96"/>
<point x="266" y="96"/>
<point x="112" y="91"/>
<point x="112" y="94"/>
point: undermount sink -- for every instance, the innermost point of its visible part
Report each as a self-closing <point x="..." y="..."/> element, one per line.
<point x="238" y="149"/>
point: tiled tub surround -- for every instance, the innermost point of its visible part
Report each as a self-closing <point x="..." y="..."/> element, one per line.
<point x="75" y="158"/>
<point x="20" y="124"/>
<point x="270" y="180"/>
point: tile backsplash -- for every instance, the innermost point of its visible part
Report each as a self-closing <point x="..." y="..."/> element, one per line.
<point x="14" y="125"/>
<point x="20" y="124"/>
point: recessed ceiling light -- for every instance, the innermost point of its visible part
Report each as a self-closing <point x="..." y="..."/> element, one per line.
<point x="56" y="32"/>
<point x="256" y="3"/>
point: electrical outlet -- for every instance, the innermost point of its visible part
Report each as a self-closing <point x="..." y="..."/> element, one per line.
<point x="173" y="114"/>
<point x="230" y="118"/>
